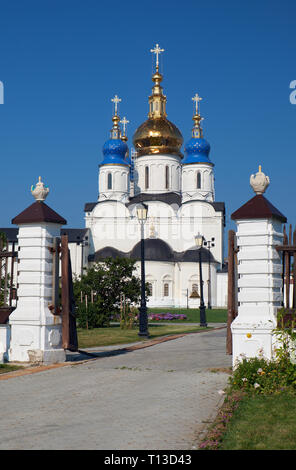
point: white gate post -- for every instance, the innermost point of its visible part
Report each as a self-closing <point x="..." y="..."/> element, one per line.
<point x="259" y="230"/>
<point x="36" y="334"/>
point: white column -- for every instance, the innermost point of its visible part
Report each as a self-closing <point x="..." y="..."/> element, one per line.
<point x="259" y="284"/>
<point x="36" y="334"/>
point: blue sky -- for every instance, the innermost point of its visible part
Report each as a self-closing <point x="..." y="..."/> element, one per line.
<point x="62" y="61"/>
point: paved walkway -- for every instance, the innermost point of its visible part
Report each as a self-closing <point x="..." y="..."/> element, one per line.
<point x="160" y="397"/>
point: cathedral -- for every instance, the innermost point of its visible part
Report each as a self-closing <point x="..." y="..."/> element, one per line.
<point x="176" y="184"/>
<point x="178" y="189"/>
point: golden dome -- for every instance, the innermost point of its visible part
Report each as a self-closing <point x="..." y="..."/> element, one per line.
<point x="157" y="135"/>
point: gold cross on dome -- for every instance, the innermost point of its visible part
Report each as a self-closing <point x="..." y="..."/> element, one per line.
<point x="115" y="100"/>
<point x="157" y="51"/>
<point x="196" y="99"/>
<point x="124" y="122"/>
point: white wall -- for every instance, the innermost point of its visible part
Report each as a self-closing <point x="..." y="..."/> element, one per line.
<point x="156" y="164"/>
<point x="189" y="182"/>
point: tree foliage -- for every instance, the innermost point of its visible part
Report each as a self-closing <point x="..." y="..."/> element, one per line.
<point x="105" y="284"/>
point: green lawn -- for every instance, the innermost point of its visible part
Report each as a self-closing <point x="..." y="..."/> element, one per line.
<point x="8" y="368"/>
<point x="263" y="423"/>
<point x="115" y="335"/>
<point x="192" y="314"/>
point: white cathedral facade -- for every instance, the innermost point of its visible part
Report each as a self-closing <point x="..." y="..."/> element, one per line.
<point x="180" y="195"/>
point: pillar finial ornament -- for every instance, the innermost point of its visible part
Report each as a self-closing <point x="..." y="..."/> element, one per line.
<point x="259" y="181"/>
<point x="40" y="191"/>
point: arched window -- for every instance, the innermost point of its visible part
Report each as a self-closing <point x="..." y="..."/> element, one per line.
<point x="146" y="177"/>
<point x="109" y="182"/>
<point x="150" y="289"/>
<point x="198" y="180"/>
<point x="166" y="289"/>
<point x="167" y="177"/>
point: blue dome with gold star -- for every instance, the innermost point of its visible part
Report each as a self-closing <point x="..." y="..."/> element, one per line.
<point x="114" y="151"/>
<point x="197" y="150"/>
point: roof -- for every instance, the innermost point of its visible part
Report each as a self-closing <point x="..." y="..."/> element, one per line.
<point x="74" y="234"/>
<point x="11" y="233"/>
<point x="88" y="206"/>
<point x="168" y="198"/>
<point x="155" y="250"/>
<point x="258" y="208"/>
<point x="38" y="212"/>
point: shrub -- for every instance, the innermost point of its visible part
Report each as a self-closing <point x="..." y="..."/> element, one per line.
<point x="91" y="317"/>
<point x="129" y="317"/>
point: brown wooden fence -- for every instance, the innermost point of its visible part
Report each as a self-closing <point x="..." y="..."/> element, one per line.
<point x="288" y="255"/>
<point x="8" y="279"/>
<point x="232" y="287"/>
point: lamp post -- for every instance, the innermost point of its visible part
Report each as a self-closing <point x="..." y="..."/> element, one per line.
<point x="142" y="211"/>
<point x="209" y="244"/>
<point x="202" y="309"/>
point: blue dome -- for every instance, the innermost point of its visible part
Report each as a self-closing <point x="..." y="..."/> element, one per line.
<point x="114" y="151"/>
<point x="197" y="151"/>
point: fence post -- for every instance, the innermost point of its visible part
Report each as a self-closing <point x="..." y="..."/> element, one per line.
<point x="259" y="231"/>
<point x="35" y="330"/>
<point x="232" y="293"/>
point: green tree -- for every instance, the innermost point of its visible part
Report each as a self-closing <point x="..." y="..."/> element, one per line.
<point x="104" y="284"/>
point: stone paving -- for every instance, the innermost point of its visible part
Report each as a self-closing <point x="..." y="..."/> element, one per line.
<point x="158" y="398"/>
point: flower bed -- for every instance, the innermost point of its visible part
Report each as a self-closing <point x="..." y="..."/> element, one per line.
<point x="167" y="316"/>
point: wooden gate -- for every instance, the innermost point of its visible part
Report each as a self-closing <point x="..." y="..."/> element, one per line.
<point x="232" y="302"/>
<point x="63" y="302"/>
<point x="8" y="279"/>
<point x="288" y="255"/>
<point x="69" y="331"/>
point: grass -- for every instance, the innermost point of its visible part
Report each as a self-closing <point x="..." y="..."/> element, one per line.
<point x="8" y="368"/>
<point x="115" y="335"/>
<point x="262" y="422"/>
<point x="216" y="315"/>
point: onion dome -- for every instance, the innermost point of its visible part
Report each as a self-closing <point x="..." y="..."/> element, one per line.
<point x="157" y="135"/>
<point x="197" y="149"/>
<point x="115" y="149"/>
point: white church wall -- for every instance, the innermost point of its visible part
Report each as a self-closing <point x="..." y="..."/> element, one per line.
<point x="189" y="182"/>
<point x="160" y="273"/>
<point x="222" y="288"/>
<point x="199" y="216"/>
<point x="189" y="277"/>
<point x="119" y="181"/>
<point x="157" y="178"/>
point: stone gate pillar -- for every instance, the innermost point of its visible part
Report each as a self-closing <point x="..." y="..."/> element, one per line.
<point x="35" y="331"/>
<point x="259" y="230"/>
